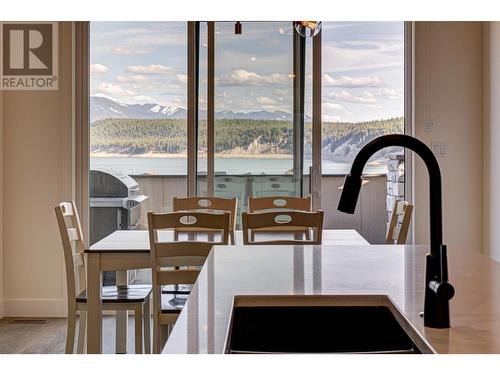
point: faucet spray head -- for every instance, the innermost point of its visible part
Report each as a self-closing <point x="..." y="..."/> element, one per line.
<point x="350" y="192"/>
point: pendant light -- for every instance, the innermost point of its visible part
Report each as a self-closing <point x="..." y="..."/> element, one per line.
<point x="308" y="29"/>
<point x="237" y="28"/>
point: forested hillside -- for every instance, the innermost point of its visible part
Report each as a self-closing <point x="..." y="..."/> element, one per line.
<point x="138" y="136"/>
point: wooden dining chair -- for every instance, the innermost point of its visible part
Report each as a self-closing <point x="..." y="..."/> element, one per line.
<point x="131" y="297"/>
<point x="210" y="205"/>
<point x="397" y="229"/>
<point x="296" y="220"/>
<point x="178" y="262"/>
<point x="279" y="202"/>
<point x="274" y="186"/>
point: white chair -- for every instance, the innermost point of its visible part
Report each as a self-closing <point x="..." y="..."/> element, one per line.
<point x="279" y="203"/>
<point x="132" y="297"/>
<point x="210" y="205"/>
<point x="281" y="222"/>
<point x="397" y="229"/>
<point x="178" y="262"/>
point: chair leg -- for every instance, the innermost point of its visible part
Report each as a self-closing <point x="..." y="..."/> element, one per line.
<point x="70" y="333"/>
<point x="138" y="329"/>
<point x="156" y="334"/>
<point x="164" y="331"/>
<point x="147" y="327"/>
<point x="82" y="330"/>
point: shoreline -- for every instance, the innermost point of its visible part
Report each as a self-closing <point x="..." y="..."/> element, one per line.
<point x="183" y="156"/>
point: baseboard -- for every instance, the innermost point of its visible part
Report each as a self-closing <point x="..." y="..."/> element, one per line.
<point x="34" y="308"/>
<point x="2" y="309"/>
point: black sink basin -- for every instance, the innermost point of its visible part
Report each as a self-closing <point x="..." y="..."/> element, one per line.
<point x="295" y="326"/>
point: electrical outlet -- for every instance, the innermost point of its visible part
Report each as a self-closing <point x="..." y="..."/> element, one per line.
<point x="428" y="126"/>
<point x="438" y="148"/>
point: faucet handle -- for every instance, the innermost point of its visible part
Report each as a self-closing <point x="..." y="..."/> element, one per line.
<point x="442" y="288"/>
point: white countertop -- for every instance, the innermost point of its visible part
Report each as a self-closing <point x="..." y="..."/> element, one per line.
<point x="396" y="271"/>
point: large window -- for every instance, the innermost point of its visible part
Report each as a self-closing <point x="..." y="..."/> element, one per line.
<point x="138" y="121"/>
<point x="138" y="97"/>
<point x="363" y="87"/>
<point x="253" y="98"/>
<point x="258" y="83"/>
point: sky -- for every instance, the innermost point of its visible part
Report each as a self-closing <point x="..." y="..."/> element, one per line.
<point x="145" y="62"/>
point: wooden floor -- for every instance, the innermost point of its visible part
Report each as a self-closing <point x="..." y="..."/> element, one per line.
<point x="51" y="337"/>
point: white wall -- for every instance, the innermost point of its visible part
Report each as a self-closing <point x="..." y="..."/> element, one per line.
<point x="492" y="138"/>
<point x="36" y="176"/>
<point x="448" y="90"/>
<point x="1" y="206"/>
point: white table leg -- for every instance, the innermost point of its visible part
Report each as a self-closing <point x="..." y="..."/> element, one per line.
<point x="121" y="318"/>
<point x="94" y="307"/>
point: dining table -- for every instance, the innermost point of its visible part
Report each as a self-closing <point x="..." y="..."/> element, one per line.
<point x="125" y="250"/>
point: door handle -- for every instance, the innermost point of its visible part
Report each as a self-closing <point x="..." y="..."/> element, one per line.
<point x="310" y="179"/>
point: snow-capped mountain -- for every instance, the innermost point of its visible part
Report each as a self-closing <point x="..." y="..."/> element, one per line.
<point x="102" y="107"/>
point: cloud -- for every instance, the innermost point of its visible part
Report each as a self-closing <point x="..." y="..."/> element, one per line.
<point x="98" y="69"/>
<point x="379" y="45"/>
<point x="142" y="99"/>
<point x="389" y="93"/>
<point x="152" y="33"/>
<point x="115" y="90"/>
<point x="131" y="79"/>
<point x="149" y="69"/>
<point x="266" y="101"/>
<point x="352" y="55"/>
<point x="130" y="50"/>
<point x="365" y="97"/>
<point x="234" y="100"/>
<point x="182" y="78"/>
<point x="334" y="106"/>
<point x="346" y="81"/>
<point x="245" y="77"/>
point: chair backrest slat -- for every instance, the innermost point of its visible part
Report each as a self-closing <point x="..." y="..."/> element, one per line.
<point x="182" y="253"/>
<point x="283" y="220"/>
<point x="73" y="248"/>
<point x="186" y="220"/>
<point x="208" y="204"/>
<point x="279" y="202"/>
<point x="399" y="223"/>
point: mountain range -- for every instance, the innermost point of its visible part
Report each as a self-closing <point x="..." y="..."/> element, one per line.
<point x="102" y="107"/>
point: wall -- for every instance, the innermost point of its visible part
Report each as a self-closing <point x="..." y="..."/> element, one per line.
<point x="491" y="33"/>
<point x="36" y="176"/>
<point x="448" y="90"/>
<point x="1" y="206"/>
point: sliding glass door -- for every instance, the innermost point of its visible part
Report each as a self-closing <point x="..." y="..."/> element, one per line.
<point x="254" y="106"/>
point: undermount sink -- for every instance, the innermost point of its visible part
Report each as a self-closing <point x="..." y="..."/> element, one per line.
<point x="320" y="324"/>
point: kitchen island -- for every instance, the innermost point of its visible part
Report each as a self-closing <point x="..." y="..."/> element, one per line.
<point x="393" y="270"/>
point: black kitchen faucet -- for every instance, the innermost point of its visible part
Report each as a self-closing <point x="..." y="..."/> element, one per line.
<point x="438" y="291"/>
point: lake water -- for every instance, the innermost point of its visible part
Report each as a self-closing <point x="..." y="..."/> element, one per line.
<point x="230" y="166"/>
